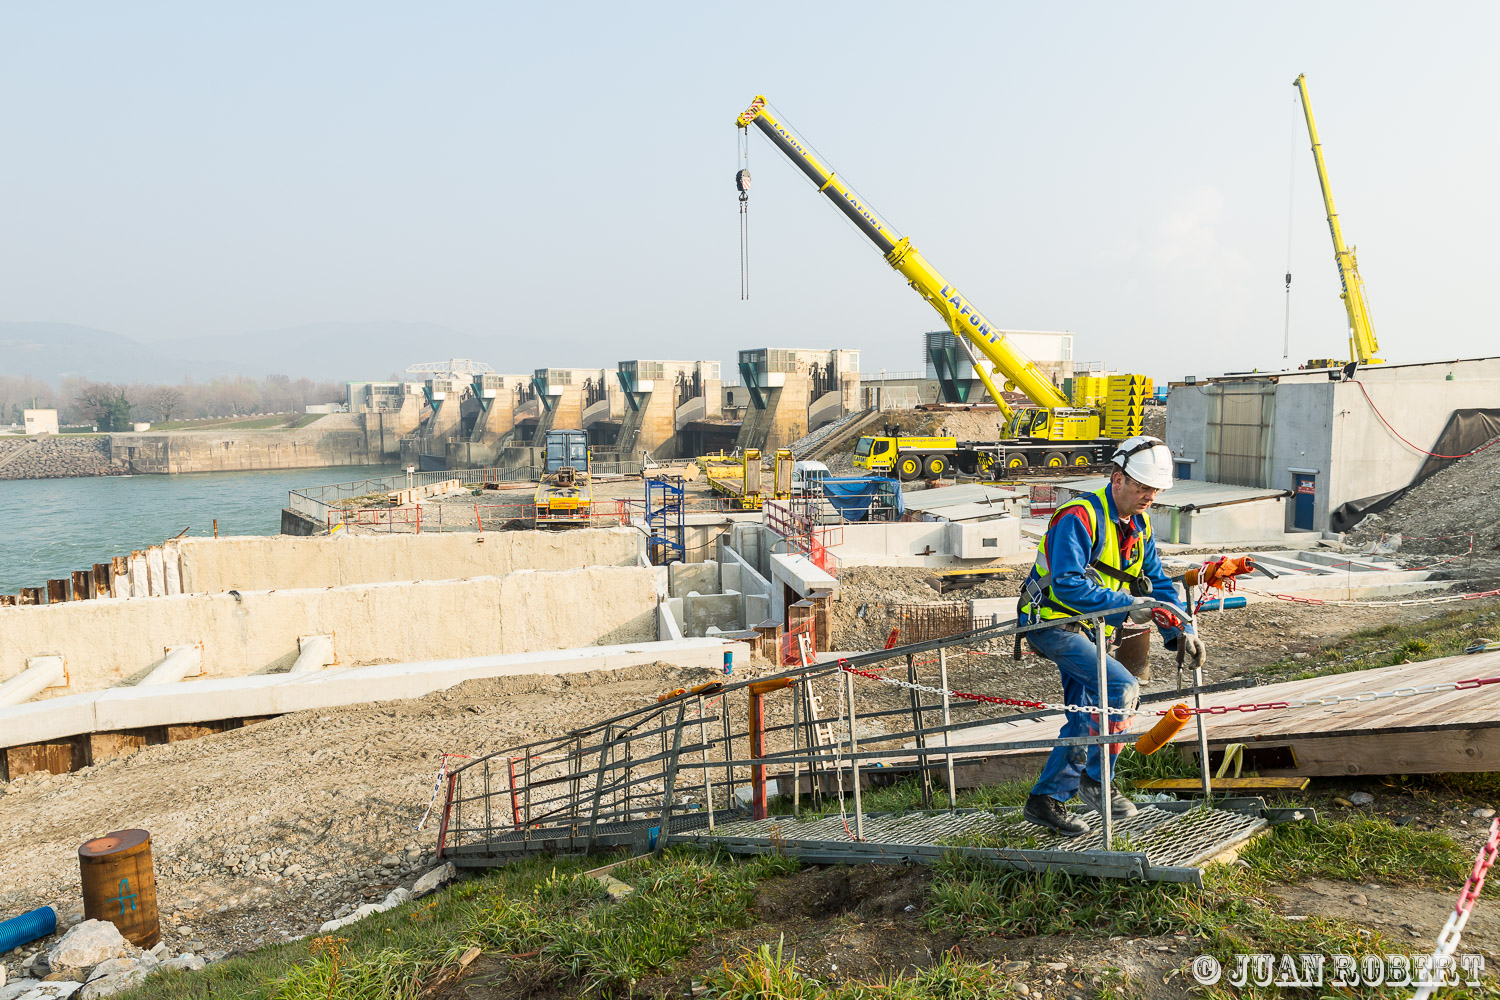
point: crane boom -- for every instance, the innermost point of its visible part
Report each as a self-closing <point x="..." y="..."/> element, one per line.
<point x="1363" y="347"/>
<point x="971" y="329"/>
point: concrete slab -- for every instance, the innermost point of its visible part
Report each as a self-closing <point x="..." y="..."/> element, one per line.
<point x="276" y="694"/>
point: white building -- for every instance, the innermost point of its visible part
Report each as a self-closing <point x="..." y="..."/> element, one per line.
<point x="40" y="421"/>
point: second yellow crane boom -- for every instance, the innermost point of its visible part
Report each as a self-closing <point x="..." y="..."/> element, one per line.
<point x="1363" y="347"/>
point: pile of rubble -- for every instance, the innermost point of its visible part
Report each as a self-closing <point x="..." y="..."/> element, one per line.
<point x="1439" y="515"/>
<point x="92" y="959"/>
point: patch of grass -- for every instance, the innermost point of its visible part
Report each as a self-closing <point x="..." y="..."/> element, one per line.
<point x="906" y="796"/>
<point x="1357" y="850"/>
<point x="1132" y="769"/>
<point x="1235" y="912"/>
<point x="279" y="421"/>
<point x="1445" y="634"/>
<point x="764" y="974"/>
<point x="547" y="915"/>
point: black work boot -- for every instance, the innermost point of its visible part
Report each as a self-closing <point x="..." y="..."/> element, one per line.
<point x="1119" y="805"/>
<point x="1044" y="810"/>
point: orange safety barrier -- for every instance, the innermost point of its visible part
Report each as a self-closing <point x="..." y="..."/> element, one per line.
<point x="1161" y="734"/>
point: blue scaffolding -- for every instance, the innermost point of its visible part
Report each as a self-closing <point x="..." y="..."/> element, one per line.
<point x="666" y="522"/>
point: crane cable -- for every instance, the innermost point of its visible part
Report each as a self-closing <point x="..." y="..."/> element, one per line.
<point x="1291" y="196"/>
<point x="742" y="183"/>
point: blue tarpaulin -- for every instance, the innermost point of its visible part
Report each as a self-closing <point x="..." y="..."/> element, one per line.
<point x="853" y="497"/>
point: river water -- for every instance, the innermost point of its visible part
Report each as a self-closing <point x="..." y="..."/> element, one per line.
<point x="56" y="526"/>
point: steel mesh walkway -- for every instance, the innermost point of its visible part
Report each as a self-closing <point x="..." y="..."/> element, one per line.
<point x="1160" y="843"/>
<point x="687" y="768"/>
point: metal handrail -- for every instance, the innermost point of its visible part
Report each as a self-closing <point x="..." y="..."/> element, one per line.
<point x="626" y="769"/>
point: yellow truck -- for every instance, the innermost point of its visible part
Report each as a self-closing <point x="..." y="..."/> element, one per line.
<point x="911" y="458"/>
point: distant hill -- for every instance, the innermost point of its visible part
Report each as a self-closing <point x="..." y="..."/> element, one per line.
<point x="335" y="351"/>
<point x="54" y="351"/>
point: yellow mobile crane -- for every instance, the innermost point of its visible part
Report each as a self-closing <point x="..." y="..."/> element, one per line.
<point x="1057" y="432"/>
<point x="1363" y="347"/>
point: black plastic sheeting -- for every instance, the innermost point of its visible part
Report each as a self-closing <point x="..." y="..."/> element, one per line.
<point x="1465" y="431"/>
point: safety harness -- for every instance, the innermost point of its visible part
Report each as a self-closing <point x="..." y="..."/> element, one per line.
<point x="1037" y="593"/>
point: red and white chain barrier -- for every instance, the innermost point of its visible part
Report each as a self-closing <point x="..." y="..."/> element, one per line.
<point x="1447" y="599"/>
<point x="1340" y="699"/>
<point x="1332" y="699"/>
<point x="1447" y="939"/>
<point x="988" y="699"/>
<point x="438" y="784"/>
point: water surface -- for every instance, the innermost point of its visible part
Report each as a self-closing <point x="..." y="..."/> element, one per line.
<point x="56" y="526"/>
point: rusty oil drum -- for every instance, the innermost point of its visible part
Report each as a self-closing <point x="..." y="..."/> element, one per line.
<point x="119" y="884"/>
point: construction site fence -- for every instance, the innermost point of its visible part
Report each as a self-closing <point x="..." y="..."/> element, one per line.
<point x="698" y="757"/>
<point x="476" y="517"/>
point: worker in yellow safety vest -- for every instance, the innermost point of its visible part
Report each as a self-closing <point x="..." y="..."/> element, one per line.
<point x="1098" y="554"/>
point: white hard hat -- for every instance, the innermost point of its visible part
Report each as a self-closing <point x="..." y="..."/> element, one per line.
<point x="1147" y="460"/>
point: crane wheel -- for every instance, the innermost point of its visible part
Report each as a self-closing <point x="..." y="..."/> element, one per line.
<point x="909" y="468"/>
<point x="968" y="466"/>
<point x="1015" y="461"/>
<point x="934" y="467"/>
<point x="1054" y="460"/>
<point x="1080" y="458"/>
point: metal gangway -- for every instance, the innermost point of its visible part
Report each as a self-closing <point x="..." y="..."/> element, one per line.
<point x="710" y="766"/>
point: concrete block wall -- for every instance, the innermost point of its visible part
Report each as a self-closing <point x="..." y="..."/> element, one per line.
<point x="927" y="543"/>
<point x="108" y="642"/>
<point x="1331" y="431"/>
<point x="332" y="440"/>
<point x="213" y="565"/>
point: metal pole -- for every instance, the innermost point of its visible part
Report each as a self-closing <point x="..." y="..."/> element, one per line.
<point x="489" y="829"/>
<point x="1208" y="788"/>
<point x="1104" y="755"/>
<point x="859" y="812"/>
<point x="796" y="745"/>
<point x="916" y="719"/>
<point x="728" y="756"/>
<point x="947" y="721"/>
<point x="708" y="788"/>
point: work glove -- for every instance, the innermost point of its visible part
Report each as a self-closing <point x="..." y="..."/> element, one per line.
<point x="1193" y="649"/>
<point x="1139" y="613"/>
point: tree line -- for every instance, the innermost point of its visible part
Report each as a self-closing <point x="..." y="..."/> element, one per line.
<point x="112" y="407"/>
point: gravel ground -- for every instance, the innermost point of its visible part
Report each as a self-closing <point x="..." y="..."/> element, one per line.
<point x="262" y="833"/>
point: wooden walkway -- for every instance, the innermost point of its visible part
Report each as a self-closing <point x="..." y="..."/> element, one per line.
<point x="1425" y="733"/>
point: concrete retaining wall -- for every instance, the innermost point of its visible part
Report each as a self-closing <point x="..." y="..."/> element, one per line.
<point x="108" y="642"/>
<point x="214" y="565"/>
<point x="335" y="439"/>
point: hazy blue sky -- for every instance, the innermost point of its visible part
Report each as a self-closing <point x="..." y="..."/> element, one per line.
<point x="556" y="179"/>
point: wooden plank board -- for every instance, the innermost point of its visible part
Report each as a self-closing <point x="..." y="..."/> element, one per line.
<point x="1269" y="784"/>
<point x="1442" y="731"/>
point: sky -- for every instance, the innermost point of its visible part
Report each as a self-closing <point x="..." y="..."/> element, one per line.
<point x="556" y="180"/>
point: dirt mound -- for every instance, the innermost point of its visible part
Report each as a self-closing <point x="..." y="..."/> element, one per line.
<point x="874" y="599"/>
<point x="1436" y="516"/>
<point x="262" y="833"/>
